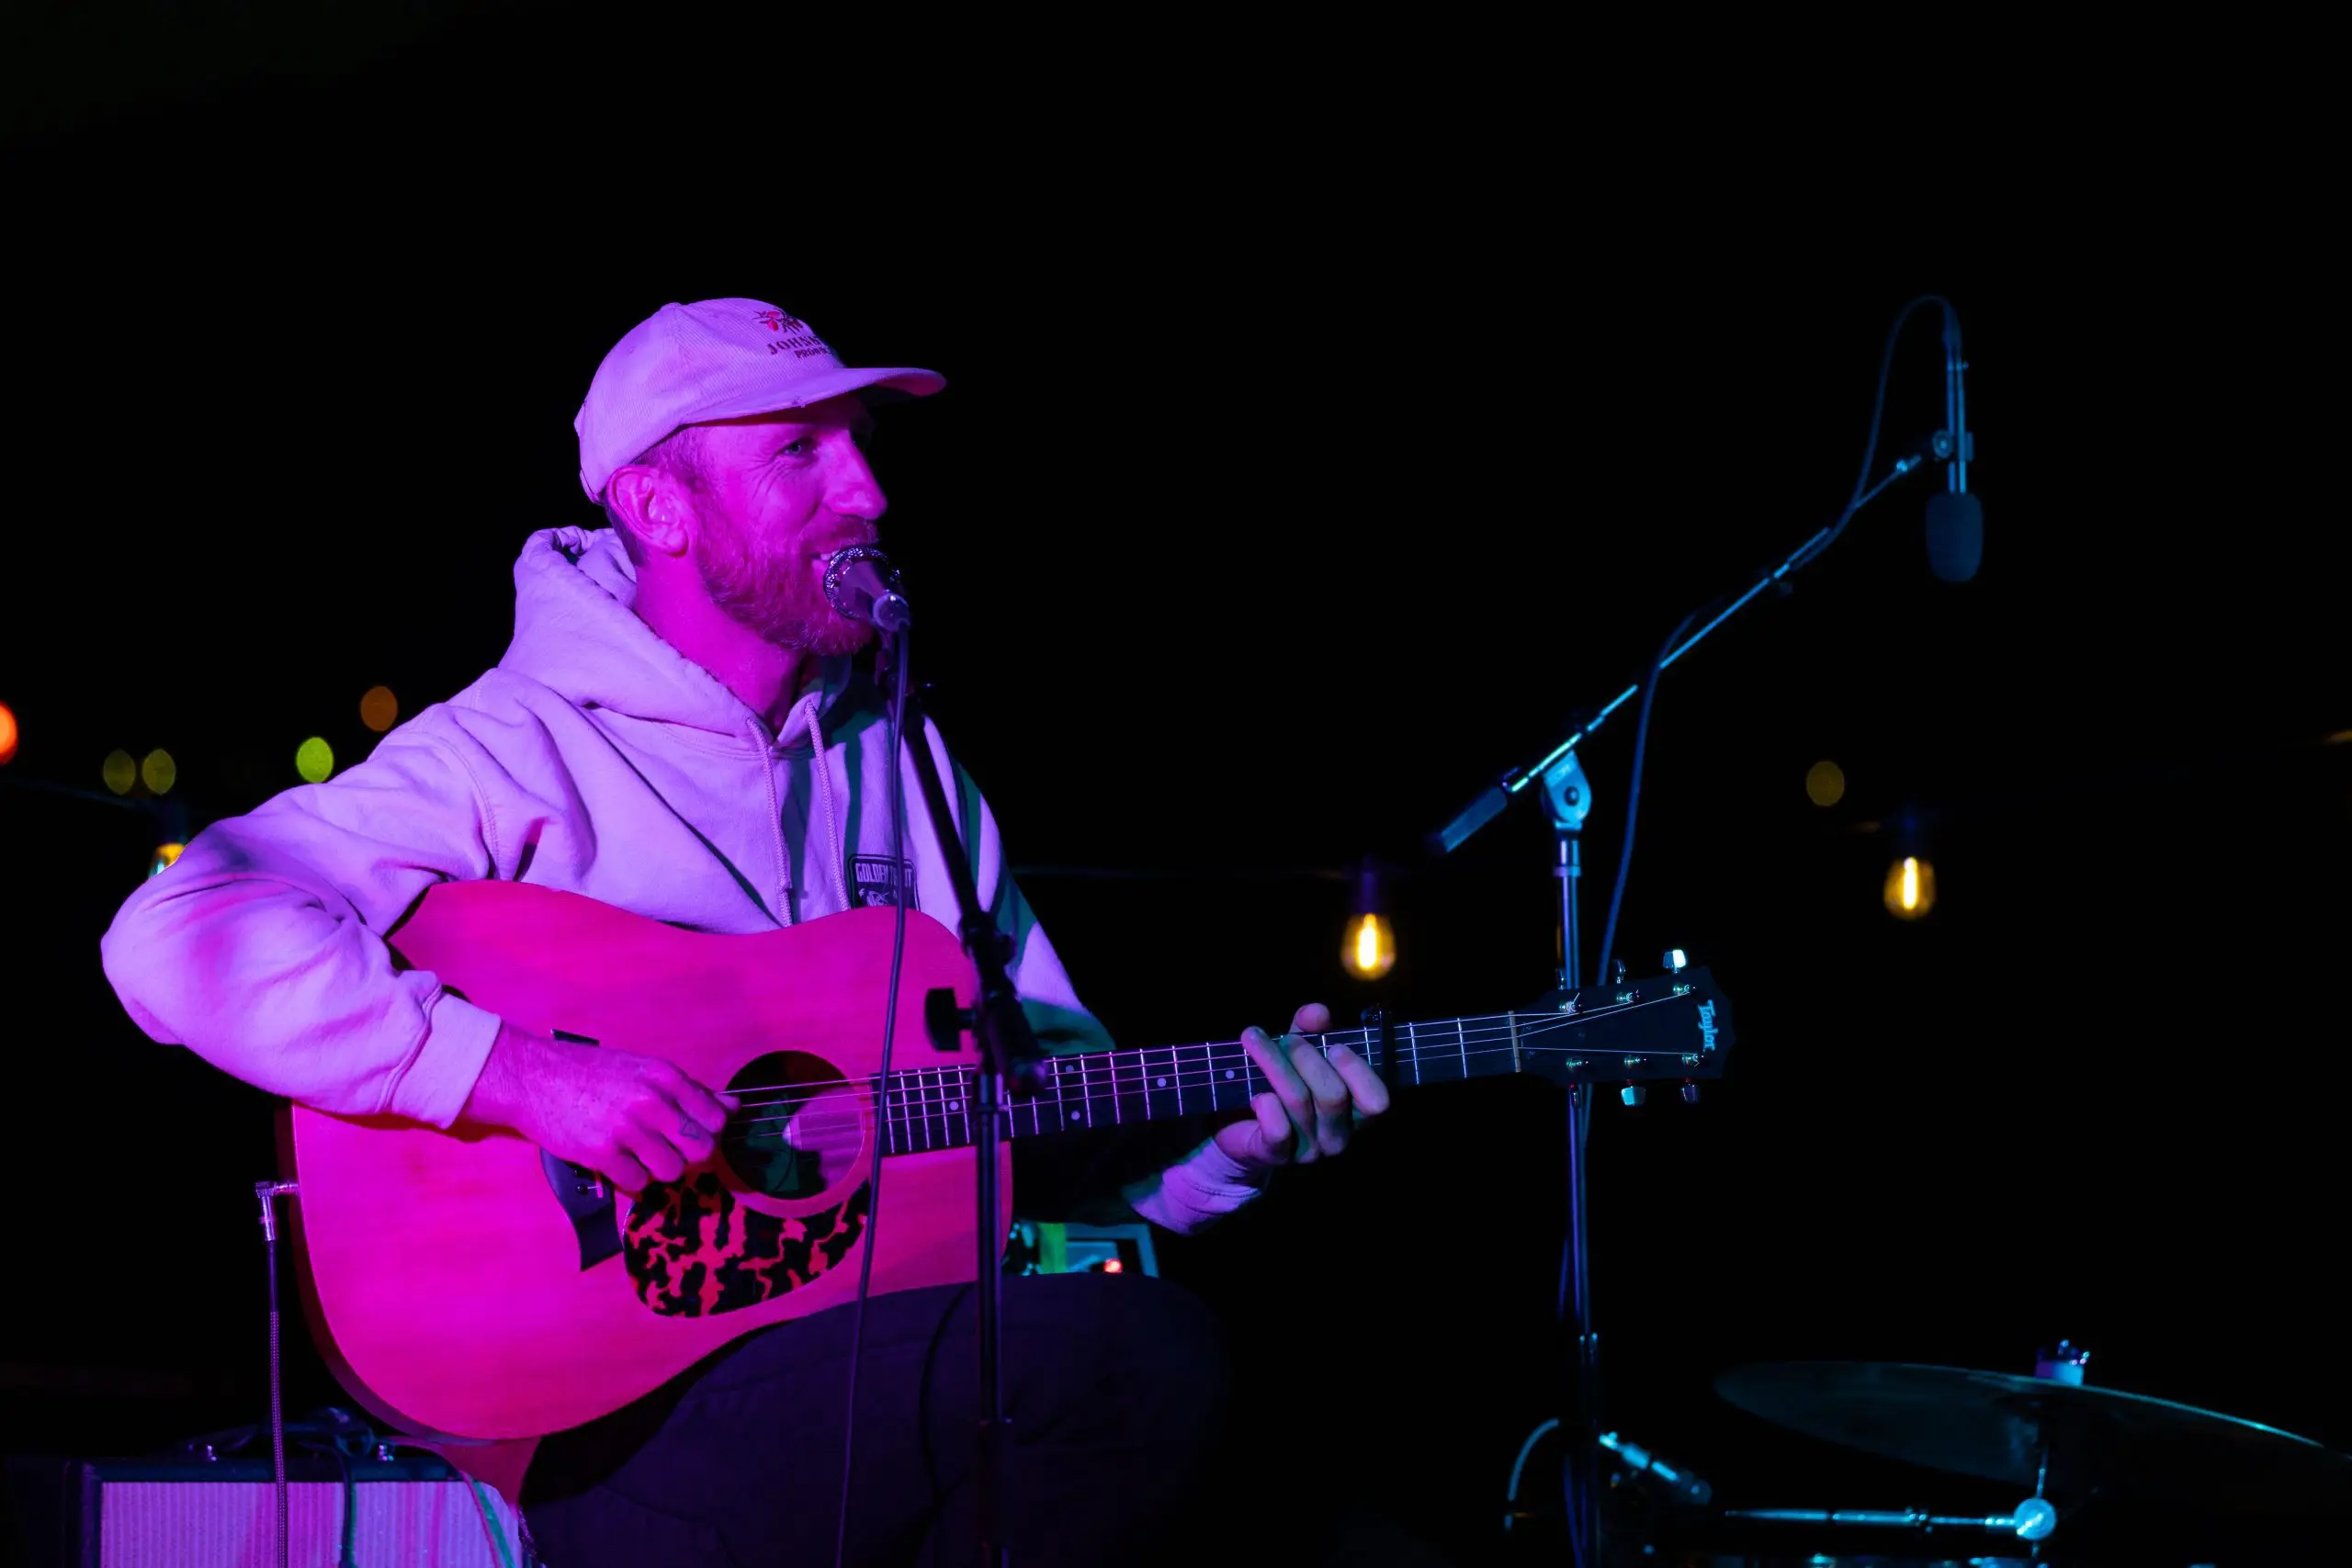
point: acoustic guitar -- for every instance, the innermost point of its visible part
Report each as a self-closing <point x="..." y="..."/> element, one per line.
<point x="469" y="1284"/>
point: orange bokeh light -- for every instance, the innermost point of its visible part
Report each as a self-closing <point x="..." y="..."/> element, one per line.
<point x="7" y="733"/>
<point x="379" y="709"/>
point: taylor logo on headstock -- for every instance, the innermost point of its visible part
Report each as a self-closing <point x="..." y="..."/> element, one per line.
<point x="1706" y="1026"/>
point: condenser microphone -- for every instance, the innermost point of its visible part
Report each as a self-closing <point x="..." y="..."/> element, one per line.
<point x="862" y="585"/>
<point x="1955" y="518"/>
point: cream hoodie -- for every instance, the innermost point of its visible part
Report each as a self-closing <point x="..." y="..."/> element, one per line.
<point x="595" y="759"/>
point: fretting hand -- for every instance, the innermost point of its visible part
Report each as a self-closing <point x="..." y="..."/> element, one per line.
<point x="632" y="1119"/>
<point x="1314" y="1102"/>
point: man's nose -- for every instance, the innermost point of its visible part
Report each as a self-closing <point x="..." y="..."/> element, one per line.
<point x="854" y="491"/>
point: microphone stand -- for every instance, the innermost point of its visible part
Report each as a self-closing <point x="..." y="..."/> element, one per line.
<point x="1569" y="799"/>
<point x="1001" y="1032"/>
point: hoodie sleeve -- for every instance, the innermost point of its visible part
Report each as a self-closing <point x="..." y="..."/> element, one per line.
<point x="261" y="949"/>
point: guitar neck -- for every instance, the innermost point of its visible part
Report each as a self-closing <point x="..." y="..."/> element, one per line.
<point x="929" y="1108"/>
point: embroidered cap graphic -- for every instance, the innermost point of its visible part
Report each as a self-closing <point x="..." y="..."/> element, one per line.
<point x="778" y="320"/>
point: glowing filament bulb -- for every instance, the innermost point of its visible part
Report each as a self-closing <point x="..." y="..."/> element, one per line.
<point x="1910" y="888"/>
<point x="1370" y="949"/>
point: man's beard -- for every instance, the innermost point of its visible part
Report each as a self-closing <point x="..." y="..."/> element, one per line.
<point x="777" y="599"/>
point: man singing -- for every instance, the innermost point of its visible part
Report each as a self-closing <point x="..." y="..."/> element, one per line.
<point x="681" y="727"/>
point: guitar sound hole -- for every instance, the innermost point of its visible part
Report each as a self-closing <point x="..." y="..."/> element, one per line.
<point x="796" y="1132"/>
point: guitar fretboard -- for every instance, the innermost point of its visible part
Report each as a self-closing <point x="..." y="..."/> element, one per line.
<point x="930" y="1108"/>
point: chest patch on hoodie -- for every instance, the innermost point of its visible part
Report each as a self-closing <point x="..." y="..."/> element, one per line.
<point x="869" y="882"/>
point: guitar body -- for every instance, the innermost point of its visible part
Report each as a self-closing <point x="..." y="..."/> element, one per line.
<point x="467" y="1285"/>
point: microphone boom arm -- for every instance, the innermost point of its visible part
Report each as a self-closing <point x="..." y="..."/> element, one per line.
<point x="1490" y="801"/>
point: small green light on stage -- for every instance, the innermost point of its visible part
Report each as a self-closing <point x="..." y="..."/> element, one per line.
<point x="1825" y="783"/>
<point x="160" y="772"/>
<point x="120" y="771"/>
<point x="314" y="760"/>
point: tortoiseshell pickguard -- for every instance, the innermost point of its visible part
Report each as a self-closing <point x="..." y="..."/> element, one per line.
<point x="693" y="1249"/>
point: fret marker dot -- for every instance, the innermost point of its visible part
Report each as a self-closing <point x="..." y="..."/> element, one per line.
<point x="1228" y="1072"/>
<point x="1161" y="1082"/>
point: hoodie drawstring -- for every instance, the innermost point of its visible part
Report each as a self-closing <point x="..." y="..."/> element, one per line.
<point x="805" y="710"/>
<point x="775" y="823"/>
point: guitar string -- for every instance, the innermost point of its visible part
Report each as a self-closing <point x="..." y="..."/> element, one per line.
<point x="1481" y="1028"/>
<point x="940" y="1102"/>
<point x="1125" y="1080"/>
<point x="1122" y="1083"/>
<point x="916" y="1117"/>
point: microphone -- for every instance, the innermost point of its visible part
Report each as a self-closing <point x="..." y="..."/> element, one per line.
<point x="862" y="585"/>
<point x="1955" y="518"/>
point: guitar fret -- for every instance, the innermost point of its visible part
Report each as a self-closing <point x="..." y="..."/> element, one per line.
<point x="1413" y="1049"/>
<point x="1512" y="1020"/>
<point x="1224" y="1076"/>
<point x="1462" y="1048"/>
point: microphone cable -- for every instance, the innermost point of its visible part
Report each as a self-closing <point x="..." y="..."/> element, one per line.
<point x="1878" y="412"/>
<point x="882" y="1077"/>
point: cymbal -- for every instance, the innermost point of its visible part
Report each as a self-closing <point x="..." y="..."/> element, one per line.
<point x="1998" y="1426"/>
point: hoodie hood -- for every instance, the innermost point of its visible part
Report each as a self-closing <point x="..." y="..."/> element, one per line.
<point x="577" y="634"/>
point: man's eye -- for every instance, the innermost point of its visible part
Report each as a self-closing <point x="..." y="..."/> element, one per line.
<point x="800" y="449"/>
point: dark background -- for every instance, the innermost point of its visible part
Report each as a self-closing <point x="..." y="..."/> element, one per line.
<point x="1314" y="448"/>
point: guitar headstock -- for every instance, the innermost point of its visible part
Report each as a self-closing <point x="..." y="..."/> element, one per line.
<point x="1674" y="1026"/>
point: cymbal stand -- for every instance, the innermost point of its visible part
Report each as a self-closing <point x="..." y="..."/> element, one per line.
<point x="2033" y="1520"/>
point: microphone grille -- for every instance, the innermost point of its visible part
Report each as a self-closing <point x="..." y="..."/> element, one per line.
<point x="1955" y="534"/>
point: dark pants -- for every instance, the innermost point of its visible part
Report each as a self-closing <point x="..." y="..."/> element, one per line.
<point x="1114" y="1384"/>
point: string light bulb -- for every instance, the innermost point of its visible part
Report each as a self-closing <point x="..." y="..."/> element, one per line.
<point x="1368" y="951"/>
<point x="1910" y="887"/>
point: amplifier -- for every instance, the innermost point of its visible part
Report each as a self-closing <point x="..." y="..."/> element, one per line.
<point x="193" y="1513"/>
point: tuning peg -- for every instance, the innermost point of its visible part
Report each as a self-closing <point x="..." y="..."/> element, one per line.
<point x="1616" y="971"/>
<point x="1676" y="961"/>
<point x="1690" y="1092"/>
<point x="1633" y="1094"/>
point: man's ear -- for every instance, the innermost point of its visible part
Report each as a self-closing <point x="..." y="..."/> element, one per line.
<point x="648" y="502"/>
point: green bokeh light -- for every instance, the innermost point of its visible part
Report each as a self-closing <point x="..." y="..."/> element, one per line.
<point x="314" y="760"/>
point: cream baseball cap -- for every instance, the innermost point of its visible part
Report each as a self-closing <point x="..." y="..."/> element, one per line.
<point x="713" y="359"/>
